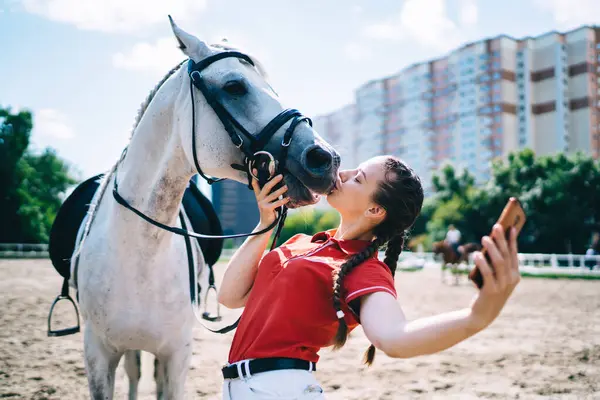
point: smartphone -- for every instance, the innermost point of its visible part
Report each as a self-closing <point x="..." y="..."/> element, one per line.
<point x="512" y="216"/>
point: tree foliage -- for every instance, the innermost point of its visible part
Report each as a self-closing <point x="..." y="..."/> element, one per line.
<point x="31" y="185"/>
<point x="560" y="194"/>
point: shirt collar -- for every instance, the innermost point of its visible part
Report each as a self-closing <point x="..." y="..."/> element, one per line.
<point x="347" y="246"/>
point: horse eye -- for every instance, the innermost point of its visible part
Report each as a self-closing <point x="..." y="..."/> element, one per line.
<point x="235" y="88"/>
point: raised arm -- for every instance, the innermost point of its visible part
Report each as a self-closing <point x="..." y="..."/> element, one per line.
<point x="386" y="327"/>
<point x="241" y="269"/>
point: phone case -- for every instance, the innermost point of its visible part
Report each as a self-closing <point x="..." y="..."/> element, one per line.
<point x="513" y="215"/>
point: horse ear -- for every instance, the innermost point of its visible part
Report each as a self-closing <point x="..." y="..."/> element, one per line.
<point x="189" y="44"/>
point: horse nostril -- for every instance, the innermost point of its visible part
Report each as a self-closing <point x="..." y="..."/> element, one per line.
<point x="318" y="159"/>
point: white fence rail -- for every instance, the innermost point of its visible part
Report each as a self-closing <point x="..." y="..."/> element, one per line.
<point x="532" y="263"/>
<point x="23" y="250"/>
<point x="529" y="262"/>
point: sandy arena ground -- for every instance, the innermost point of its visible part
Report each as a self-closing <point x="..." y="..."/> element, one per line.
<point x="545" y="345"/>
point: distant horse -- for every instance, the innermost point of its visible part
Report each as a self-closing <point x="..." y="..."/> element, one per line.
<point x="452" y="258"/>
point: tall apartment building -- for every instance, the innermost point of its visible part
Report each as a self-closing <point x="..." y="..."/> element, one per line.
<point x="370" y="120"/>
<point x="485" y="100"/>
<point x="339" y="129"/>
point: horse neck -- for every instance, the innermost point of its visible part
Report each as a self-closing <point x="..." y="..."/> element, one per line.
<point x="155" y="172"/>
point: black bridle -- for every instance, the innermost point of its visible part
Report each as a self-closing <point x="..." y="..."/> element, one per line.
<point x="252" y="145"/>
<point x="255" y="157"/>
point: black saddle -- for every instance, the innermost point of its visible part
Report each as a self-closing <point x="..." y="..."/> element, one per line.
<point x="63" y="235"/>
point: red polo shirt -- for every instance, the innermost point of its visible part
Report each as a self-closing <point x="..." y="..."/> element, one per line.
<point x="290" y="312"/>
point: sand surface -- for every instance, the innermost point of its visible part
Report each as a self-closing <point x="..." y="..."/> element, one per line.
<point x="546" y="344"/>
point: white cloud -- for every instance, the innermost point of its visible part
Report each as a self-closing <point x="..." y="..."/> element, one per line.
<point x="157" y="57"/>
<point x="52" y="123"/>
<point x="163" y="54"/>
<point x="571" y="13"/>
<point x="427" y="22"/>
<point x="114" y="15"/>
<point x="469" y="12"/>
<point x="356" y="51"/>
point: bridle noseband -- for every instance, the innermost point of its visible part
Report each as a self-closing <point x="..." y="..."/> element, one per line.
<point x="252" y="145"/>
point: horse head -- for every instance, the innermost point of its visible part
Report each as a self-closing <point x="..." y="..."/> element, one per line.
<point x="240" y="124"/>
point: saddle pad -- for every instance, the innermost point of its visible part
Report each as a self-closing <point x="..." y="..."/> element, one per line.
<point x="63" y="234"/>
<point x="204" y="220"/>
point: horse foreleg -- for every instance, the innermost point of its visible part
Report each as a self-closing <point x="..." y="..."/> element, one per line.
<point x="443" y="270"/>
<point x="133" y="367"/>
<point x="100" y="362"/>
<point x="159" y="378"/>
<point x="455" y="271"/>
<point x="175" y="368"/>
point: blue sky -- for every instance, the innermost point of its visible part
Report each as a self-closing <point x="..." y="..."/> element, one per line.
<point x="84" y="66"/>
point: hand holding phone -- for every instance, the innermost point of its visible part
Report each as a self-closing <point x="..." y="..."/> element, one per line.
<point x="513" y="215"/>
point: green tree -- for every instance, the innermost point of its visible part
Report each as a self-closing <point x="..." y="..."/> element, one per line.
<point x="43" y="179"/>
<point x="15" y="131"/>
<point x="559" y="193"/>
<point x="31" y="185"/>
<point x="448" y="183"/>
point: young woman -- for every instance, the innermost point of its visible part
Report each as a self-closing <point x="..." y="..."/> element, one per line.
<point x="312" y="291"/>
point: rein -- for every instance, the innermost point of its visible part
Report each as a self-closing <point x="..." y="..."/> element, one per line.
<point x="252" y="145"/>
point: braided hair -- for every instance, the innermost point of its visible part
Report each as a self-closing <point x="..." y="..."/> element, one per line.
<point x="400" y="193"/>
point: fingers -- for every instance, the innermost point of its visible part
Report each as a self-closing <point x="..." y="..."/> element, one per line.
<point x="497" y="260"/>
<point x="270" y="185"/>
<point x="515" y="275"/>
<point x="279" y="203"/>
<point x="276" y="194"/>
<point x="513" y="249"/>
<point x="489" y="282"/>
<point x="272" y="206"/>
<point x="256" y="188"/>
<point x="499" y="236"/>
<point x="264" y="192"/>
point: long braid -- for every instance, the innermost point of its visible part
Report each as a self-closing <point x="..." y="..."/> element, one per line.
<point x="338" y="276"/>
<point x="394" y="248"/>
<point x="401" y="195"/>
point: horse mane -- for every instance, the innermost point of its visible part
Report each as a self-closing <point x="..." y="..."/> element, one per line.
<point x="106" y="178"/>
<point x="143" y="107"/>
<point x="146" y="102"/>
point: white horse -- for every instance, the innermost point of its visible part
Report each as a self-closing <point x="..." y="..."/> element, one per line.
<point x="132" y="278"/>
